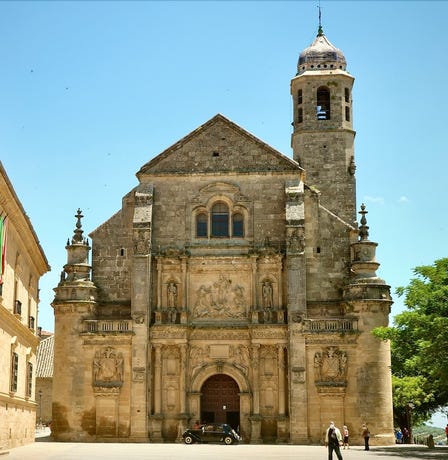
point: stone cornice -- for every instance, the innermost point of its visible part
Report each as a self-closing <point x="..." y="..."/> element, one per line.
<point x="27" y="403"/>
<point x="11" y="205"/>
<point x="14" y="327"/>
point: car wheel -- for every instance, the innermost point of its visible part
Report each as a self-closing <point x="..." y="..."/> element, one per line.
<point x="228" y="440"/>
<point x="188" y="440"/>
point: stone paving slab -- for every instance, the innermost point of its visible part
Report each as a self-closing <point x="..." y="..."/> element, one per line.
<point x="45" y="450"/>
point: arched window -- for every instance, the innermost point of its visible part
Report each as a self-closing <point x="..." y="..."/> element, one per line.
<point x="201" y="225"/>
<point x="238" y="225"/>
<point x="323" y="104"/>
<point x="220" y="220"/>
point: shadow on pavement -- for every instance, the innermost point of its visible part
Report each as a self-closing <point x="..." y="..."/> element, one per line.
<point x="413" y="451"/>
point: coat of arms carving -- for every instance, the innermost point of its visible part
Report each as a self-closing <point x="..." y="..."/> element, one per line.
<point x="108" y="368"/>
<point x="330" y="366"/>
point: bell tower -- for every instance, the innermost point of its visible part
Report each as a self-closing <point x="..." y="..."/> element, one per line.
<point x="323" y="136"/>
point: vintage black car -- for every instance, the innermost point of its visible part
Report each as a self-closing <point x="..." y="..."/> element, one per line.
<point x="211" y="432"/>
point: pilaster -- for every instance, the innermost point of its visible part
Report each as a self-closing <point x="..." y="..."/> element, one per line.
<point x="141" y="306"/>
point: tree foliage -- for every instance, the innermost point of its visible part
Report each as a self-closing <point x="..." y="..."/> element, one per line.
<point x="419" y="344"/>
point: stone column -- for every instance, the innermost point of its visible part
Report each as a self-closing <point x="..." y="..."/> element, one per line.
<point x="183" y="371"/>
<point x="281" y="380"/>
<point x="255" y="419"/>
<point x="182" y="391"/>
<point x="158" y="379"/>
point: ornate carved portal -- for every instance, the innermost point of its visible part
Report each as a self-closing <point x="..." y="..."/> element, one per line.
<point x="220" y="401"/>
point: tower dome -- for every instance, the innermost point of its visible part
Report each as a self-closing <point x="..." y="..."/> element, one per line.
<point x="321" y="55"/>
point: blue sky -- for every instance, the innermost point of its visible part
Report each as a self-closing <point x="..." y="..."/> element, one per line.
<point x="90" y="91"/>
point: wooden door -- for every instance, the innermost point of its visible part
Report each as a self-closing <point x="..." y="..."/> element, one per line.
<point x="220" y="400"/>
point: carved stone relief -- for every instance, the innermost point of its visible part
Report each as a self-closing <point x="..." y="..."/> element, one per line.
<point x="295" y="242"/>
<point x="241" y="356"/>
<point x="142" y="242"/>
<point x="139" y="317"/>
<point x="138" y="374"/>
<point x="330" y="366"/>
<point x="107" y="368"/>
<point x="198" y="357"/>
<point x="222" y="299"/>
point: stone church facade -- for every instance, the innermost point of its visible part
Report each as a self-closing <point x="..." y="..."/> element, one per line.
<point x="234" y="285"/>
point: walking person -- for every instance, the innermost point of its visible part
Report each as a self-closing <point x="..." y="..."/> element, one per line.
<point x="446" y="433"/>
<point x="333" y="439"/>
<point x="406" y="439"/>
<point x="345" y="435"/>
<point x="366" y="436"/>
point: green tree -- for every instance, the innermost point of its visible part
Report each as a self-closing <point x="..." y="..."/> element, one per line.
<point x="419" y="344"/>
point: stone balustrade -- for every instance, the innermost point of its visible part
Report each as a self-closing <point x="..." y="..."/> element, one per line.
<point x="107" y="326"/>
<point x="339" y="325"/>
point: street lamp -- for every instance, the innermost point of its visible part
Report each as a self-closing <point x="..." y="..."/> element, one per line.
<point x="40" y="408"/>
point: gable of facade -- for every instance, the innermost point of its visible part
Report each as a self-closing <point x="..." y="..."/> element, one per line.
<point x="218" y="145"/>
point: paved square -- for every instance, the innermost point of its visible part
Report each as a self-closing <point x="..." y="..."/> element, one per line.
<point x="44" y="450"/>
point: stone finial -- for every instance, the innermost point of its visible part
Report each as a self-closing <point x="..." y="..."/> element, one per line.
<point x="363" y="229"/>
<point x="77" y="237"/>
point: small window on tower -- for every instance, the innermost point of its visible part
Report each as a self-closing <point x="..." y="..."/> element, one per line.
<point x="347" y="113"/>
<point x="347" y="95"/>
<point x="300" y="115"/>
<point x="299" y="97"/>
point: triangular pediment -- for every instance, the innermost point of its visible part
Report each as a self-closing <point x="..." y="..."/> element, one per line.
<point x="219" y="146"/>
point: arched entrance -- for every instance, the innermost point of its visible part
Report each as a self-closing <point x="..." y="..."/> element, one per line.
<point x="220" y="401"/>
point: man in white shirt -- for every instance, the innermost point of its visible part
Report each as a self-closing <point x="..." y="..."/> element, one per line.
<point x="333" y="438"/>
